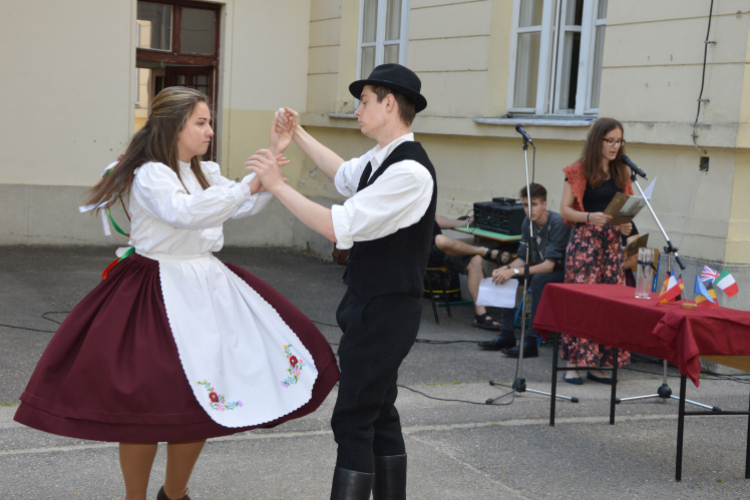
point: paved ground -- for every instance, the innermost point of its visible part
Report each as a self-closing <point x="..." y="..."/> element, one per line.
<point x="456" y="450"/>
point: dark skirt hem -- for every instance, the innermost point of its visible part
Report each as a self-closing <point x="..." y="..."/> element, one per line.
<point x="94" y="430"/>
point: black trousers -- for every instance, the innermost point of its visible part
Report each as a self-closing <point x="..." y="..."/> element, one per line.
<point x="378" y="334"/>
<point x="536" y="285"/>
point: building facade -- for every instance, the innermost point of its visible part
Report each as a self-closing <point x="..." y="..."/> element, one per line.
<point x="77" y="89"/>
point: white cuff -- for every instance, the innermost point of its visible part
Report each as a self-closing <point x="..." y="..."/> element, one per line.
<point x="344" y="240"/>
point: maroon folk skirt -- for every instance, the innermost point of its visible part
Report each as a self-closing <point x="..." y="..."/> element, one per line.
<point x="112" y="373"/>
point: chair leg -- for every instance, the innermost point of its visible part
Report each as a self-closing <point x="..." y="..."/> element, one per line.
<point x="445" y="294"/>
<point x="432" y="299"/>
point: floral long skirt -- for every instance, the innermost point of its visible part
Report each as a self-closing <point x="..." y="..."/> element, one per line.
<point x="594" y="255"/>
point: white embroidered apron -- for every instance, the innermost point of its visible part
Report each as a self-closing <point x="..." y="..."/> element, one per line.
<point x="244" y="363"/>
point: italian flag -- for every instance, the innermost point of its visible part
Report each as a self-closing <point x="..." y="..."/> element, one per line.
<point x="726" y="282"/>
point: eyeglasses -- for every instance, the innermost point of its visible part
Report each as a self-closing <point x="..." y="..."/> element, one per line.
<point x="614" y="142"/>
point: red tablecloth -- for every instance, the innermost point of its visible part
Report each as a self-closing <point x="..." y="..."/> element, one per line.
<point x="611" y="315"/>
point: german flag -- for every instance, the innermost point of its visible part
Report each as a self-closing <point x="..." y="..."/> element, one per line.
<point x="705" y="295"/>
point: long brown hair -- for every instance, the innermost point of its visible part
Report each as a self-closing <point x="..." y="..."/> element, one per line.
<point x="156" y="141"/>
<point x="591" y="158"/>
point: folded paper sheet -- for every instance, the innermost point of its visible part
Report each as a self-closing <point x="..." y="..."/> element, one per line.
<point x="494" y="295"/>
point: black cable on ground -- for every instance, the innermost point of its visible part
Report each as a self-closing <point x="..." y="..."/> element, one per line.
<point x="451" y="400"/>
<point x="741" y="378"/>
<point x="44" y="316"/>
<point x="324" y="324"/>
<point x="25" y="328"/>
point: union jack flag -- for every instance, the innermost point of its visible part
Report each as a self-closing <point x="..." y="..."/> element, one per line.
<point x="708" y="275"/>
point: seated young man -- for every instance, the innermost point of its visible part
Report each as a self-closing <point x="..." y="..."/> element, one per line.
<point x="550" y="238"/>
<point x="464" y="259"/>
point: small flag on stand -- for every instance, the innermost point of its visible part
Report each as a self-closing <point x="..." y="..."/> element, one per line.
<point x="705" y="296"/>
<point x="725" y="281"/>
<point x="708" y="274"/>
<point x="671" y="289"/>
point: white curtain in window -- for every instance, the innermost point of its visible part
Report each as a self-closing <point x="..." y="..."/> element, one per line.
<point x="393" y="21"/>
<point x="381" y="35"/>
<point x="370" y="25"/>
<point x="527" y="70"/>
<point x="596" y="76"/>
<point x="368" y="61"/>
<point x="531" y="13"/>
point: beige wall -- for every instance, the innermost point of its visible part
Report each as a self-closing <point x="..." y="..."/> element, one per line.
<point x="262" y="71"/>
<point x="69" y="96"/>
<point x="68" y="89"/>
<point x="653" y="61"/>
<point x="67" y="117"/>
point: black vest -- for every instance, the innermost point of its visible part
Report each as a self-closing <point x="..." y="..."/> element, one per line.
<point x="395" y="263"/>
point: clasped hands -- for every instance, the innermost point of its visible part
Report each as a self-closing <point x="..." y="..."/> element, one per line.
<point x="267" y="163"/>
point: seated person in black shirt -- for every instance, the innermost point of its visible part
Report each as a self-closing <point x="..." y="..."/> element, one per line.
<point x="547" y="266"/>
<point x="464" y="259"/>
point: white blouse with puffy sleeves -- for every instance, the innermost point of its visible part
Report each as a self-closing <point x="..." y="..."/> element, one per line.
<point x="169" y="217"/>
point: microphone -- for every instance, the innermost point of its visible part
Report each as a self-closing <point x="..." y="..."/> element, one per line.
<point x="627" y="161"/>
<point x="522" y="131"/>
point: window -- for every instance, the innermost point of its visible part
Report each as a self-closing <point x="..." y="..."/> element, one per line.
<point x="171" y="32"/>
<point x="154" y="26"/>
<point x="383" y="31"/>
<point x="177" y="44"/>
<point x="556" y="56"/>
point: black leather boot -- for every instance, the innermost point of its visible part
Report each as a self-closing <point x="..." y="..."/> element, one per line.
<point x="390" y="478"/>
<point x="351" y="485"/>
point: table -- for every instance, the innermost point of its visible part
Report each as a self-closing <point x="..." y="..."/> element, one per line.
<point x="611" y="315"/>
<point x="490" y="235"/>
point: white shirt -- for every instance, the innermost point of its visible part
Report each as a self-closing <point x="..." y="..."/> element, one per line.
<point x="167" y="219"/>
<point x="397" y="199"/>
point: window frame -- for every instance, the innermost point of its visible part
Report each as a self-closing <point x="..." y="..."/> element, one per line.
<point x="380" y="42"/>
<point x="551" y="47"/>
<point x="175" y="55"/>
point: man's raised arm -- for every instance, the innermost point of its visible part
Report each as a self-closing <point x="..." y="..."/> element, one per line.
<point x="326" y="160"/>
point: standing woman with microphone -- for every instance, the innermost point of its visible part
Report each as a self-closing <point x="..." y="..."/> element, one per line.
<point x="594" y="253"/>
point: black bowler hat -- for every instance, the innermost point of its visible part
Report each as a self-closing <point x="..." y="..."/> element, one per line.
<point x="396" y="77"/>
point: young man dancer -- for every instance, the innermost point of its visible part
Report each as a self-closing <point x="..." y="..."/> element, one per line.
<point x="387" y="224"/>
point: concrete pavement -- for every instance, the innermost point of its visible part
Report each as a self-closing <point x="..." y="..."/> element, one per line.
<point x="456" y="450"/>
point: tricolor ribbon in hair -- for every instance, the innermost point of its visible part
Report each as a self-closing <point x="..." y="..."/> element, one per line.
<point x="122" y="253"/>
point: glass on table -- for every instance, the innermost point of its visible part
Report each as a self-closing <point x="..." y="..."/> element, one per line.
<point x="644" y="273"/>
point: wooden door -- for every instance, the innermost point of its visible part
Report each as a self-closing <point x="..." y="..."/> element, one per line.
<point x="200" y="78"/>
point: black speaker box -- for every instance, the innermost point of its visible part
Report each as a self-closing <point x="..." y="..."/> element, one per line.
<point x="502" y="215"/>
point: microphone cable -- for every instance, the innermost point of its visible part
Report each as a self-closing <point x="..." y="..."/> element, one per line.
<point x="703" y="78"/>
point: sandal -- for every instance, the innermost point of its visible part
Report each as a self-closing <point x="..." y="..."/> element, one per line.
<point x="502" y="257"/>
<point x="485" y="322"/>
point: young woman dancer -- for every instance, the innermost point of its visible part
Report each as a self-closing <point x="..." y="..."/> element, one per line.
<point x="175" y="345"/>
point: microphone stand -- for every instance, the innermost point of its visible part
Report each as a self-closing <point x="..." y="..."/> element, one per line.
<point x="664" y="392"/>
<point x="519" y="383"/>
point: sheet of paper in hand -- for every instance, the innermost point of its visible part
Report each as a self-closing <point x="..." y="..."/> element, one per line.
<point x="624" y="208"/>
<point x="632" y="247"/>
<point x="493" y="295"/>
